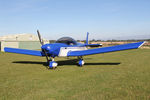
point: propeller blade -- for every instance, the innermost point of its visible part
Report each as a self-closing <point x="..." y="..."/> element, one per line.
<point x="46" y="55"/>
<point x="41" y="41"/>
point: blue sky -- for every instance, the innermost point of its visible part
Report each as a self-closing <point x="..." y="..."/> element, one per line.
<point x="103" y="19"/>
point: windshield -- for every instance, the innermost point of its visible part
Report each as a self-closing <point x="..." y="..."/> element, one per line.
<point x="67" y="40"/>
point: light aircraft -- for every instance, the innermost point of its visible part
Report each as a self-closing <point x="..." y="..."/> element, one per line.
<point x="67" y="46"/>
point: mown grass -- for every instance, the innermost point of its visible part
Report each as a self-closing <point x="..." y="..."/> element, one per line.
<point x="121" y="75"/>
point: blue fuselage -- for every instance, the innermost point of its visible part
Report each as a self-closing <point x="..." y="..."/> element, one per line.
<point x="54" y="48"/>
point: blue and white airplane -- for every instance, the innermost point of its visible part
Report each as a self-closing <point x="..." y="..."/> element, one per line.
<point x="66" y="47"/>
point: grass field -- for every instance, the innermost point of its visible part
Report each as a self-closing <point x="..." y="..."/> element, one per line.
<point x="121" y="75"/>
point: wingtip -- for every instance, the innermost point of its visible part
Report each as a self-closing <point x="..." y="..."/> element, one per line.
<point x="142" y="44"/>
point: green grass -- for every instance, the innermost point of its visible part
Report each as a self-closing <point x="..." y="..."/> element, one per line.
<point x="121" y="75"/>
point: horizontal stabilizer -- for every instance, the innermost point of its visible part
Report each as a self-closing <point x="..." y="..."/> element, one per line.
<point x="24" y="51"/>
<point x="93" y="45"/>
<point x="106" y="49"/>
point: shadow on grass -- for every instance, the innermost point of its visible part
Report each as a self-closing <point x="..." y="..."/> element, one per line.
<point x="30" y="62"/>
<point x="66" y="62"/>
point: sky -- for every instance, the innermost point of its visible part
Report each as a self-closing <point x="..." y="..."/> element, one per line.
<point x="103" y="19"/>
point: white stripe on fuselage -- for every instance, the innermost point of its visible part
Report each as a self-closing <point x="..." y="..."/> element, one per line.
<point x="64" y="50"/>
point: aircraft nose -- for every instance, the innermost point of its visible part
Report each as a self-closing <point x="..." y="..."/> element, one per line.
<point x="48" y="48"/>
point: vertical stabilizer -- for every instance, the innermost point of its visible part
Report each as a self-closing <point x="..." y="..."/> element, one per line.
<point x="87" y="40"/>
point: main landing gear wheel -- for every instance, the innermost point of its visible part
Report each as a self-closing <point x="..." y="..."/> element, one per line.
<point x="81" y="62"/>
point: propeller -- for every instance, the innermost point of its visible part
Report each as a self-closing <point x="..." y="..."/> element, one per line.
<point x="42" y="43"/>
<point x="39" y="35"/>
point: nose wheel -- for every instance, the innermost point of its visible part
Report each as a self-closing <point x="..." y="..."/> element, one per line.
<point x="81" y="61"/>
<point x="52" y="64"/>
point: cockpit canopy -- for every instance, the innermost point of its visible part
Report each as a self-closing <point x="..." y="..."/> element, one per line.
<point x="67" y="40"/>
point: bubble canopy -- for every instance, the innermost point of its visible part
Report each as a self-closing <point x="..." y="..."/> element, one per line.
<point x="67" y="40"/>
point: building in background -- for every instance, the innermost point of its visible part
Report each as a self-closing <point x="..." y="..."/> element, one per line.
<point x="22" y="41"/>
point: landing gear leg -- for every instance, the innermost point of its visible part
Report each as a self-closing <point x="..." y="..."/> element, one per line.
<point x="81" y="62"/>
<point x="52" y="64"/>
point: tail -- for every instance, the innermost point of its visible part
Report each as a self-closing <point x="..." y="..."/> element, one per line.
<point x="91" y="45"/>
<point x="87" y="40"/>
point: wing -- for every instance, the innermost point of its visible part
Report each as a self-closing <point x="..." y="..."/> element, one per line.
<point x="24" y="51"/>
<point x="106" y="49"/>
